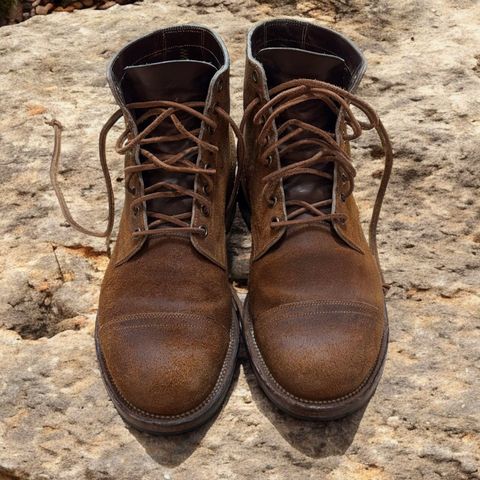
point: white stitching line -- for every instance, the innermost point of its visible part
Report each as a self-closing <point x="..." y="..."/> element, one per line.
<point x="216" y="388"/>
<point x="313" y="314"/>
<point x="164" y="41"/>
<point x="143" y="325"/>
<point x="317" y="304"/>
<point x="304" y="34"/>
<point x="159" y="315"/>
<point x="302" y="400"/>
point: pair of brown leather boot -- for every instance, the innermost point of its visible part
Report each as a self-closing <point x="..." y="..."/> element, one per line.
<point x="168" y="325"/>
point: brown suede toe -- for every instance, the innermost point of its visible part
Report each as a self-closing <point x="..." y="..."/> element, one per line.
<point x="326" y="350"/>
<point x="164" y="364"/>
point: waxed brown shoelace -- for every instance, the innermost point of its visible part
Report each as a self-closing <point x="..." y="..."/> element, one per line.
<point x="295" y="92"/>
<point x="160" y="111"/>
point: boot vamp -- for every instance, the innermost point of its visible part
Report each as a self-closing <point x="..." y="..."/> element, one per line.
<point x="312" y="263"/>
<point x="167" y="275"/>
<point x="318" y="314"/>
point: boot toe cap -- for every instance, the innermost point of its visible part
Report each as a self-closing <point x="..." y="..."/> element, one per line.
<point x="163" y="364"/>
<point x="320" y="351"/>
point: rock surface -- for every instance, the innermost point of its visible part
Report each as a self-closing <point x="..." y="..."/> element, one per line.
<point x="56" y="421"/>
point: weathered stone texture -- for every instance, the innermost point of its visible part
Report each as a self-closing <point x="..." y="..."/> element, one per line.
<point x="56" y="421"/>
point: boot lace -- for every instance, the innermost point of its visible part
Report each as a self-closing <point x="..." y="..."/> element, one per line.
<point x="156" y="112"/>
<point x="294" y="133"/>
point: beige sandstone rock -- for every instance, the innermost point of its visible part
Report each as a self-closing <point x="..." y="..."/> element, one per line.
<point x="56" y="421"/>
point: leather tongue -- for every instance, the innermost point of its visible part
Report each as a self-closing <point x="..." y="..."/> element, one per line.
<point x="179" y="81"/>
<point x="285" y="64"/>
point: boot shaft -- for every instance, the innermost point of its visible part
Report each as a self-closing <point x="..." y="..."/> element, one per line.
<point x="292" y="61"/>
<point x="169" y="73"/>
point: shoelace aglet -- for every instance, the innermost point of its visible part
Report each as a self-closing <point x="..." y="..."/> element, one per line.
<point x="54" y="123"/>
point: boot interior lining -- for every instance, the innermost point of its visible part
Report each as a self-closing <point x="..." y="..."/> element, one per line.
<point x="178" y="43"/>
<point x="308" y="37"/>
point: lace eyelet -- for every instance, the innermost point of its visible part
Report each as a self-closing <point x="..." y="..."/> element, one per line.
<point x="344" y="177"/>
<point x="204" y="230"/>
<point x="136" y="210"/>
<point x="342" y="197"/>
<point x="205" y="211"/>
<point x="255" y="76"/>
<point x="269" y="161"/>
<point x="272" y="201"/>
<point x="275" y="220"/>
<point x="206" y="166"/>
<point x="220" y="86"/>
<point x="137" y="230"/>
<point x="206" y="189"/>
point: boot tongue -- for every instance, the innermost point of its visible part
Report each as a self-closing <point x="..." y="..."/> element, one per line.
<point x="179" y="81"/>
<point x="285" y="64"/>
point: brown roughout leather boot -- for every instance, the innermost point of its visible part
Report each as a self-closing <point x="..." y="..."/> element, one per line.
<point x="167" y="331"/>
<point x="315" y="322"/>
